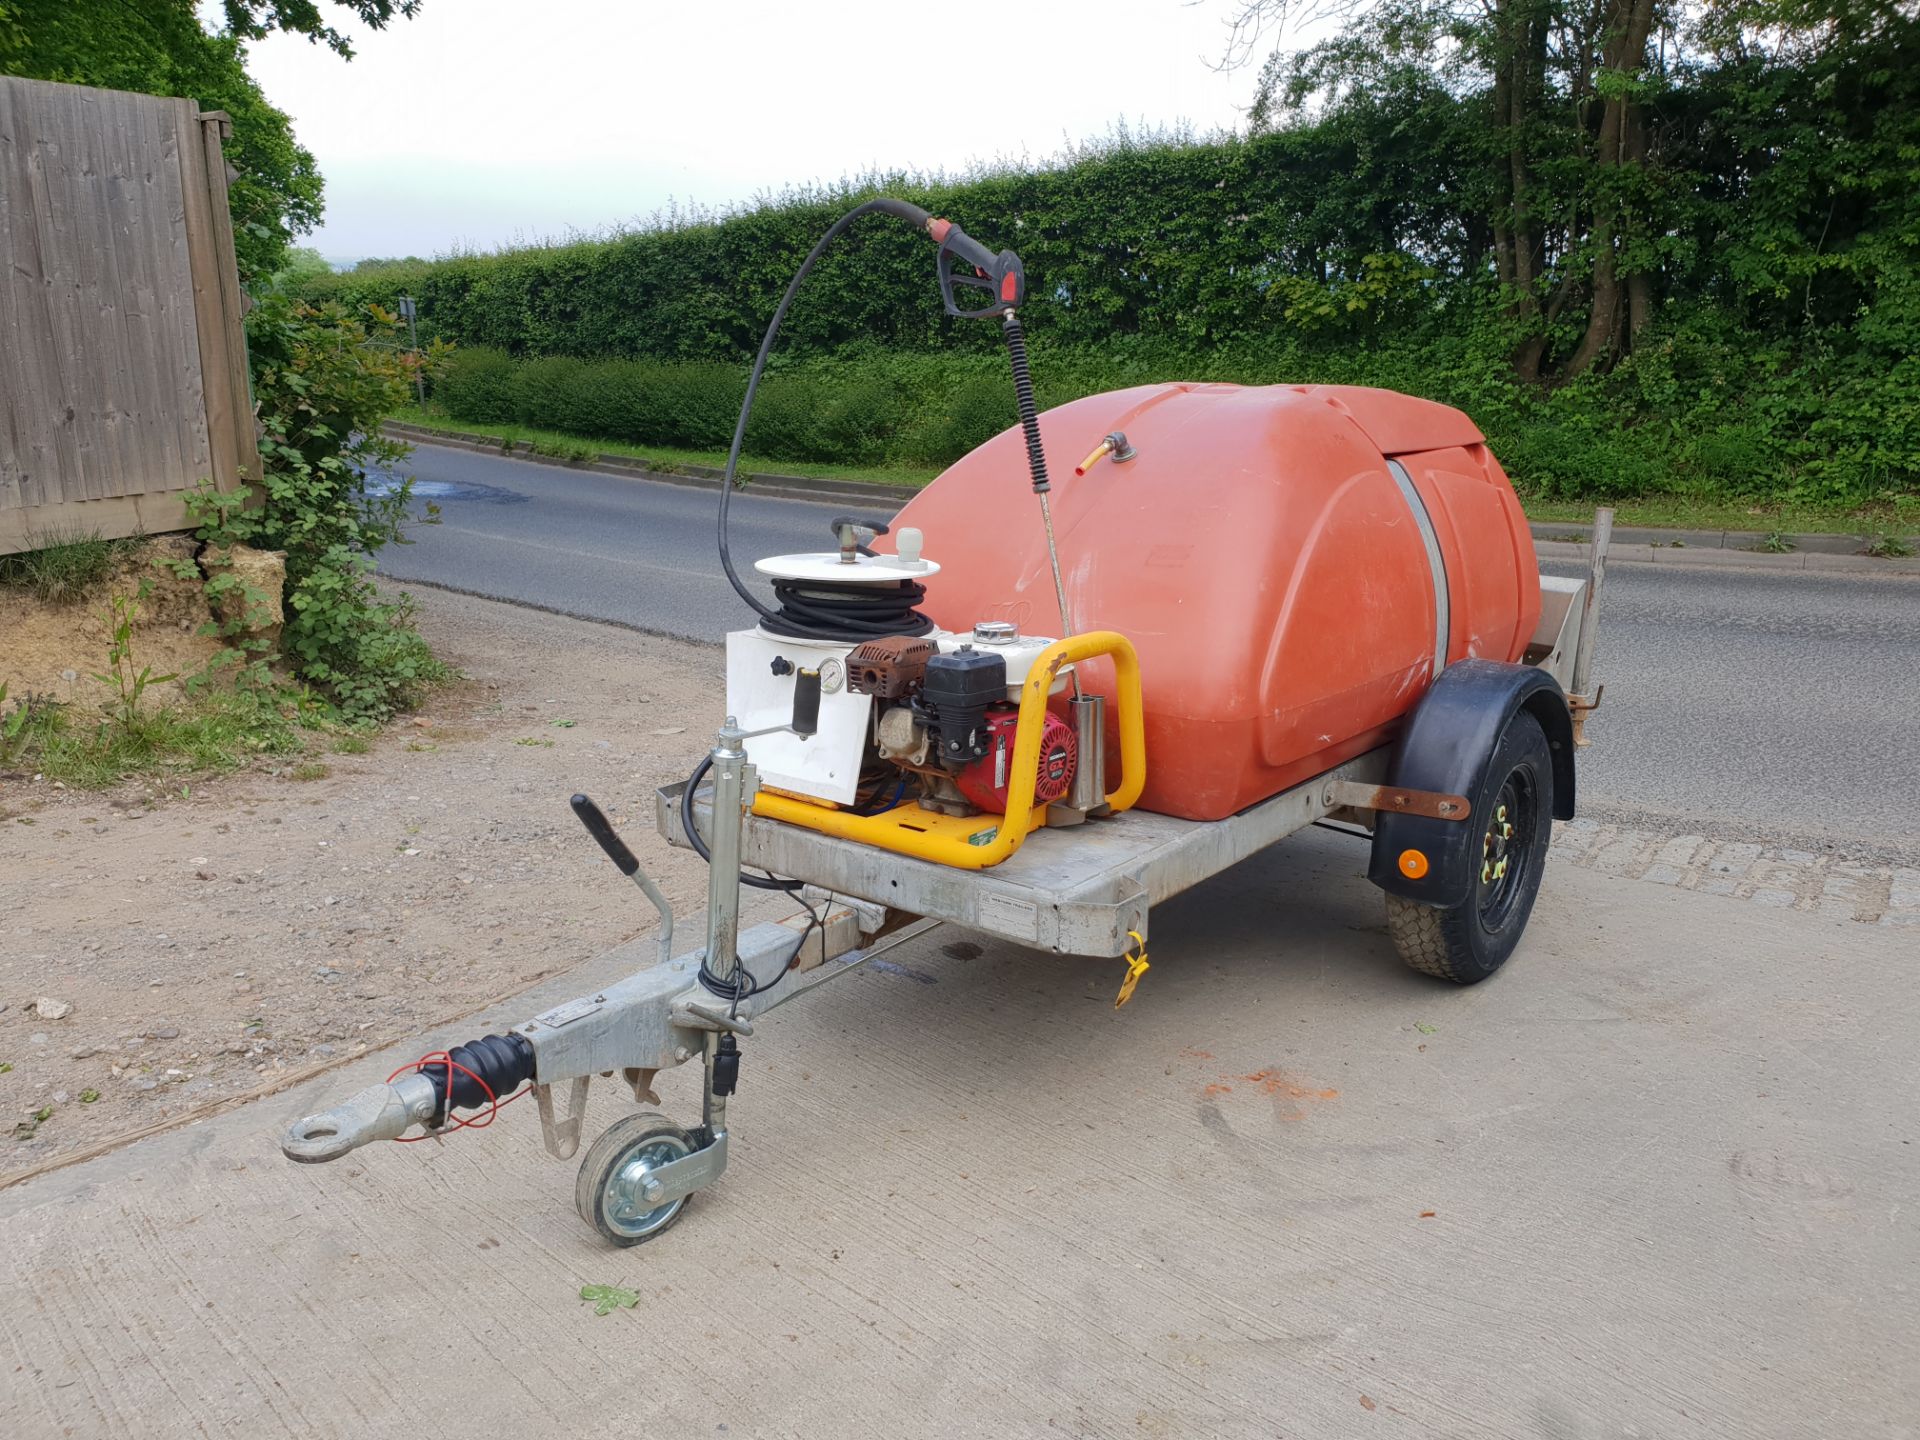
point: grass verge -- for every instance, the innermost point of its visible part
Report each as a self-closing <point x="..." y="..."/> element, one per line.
<point x="64" y="562"/>
<point x="558" y="445"/>
<point x="214" y="732"/>
<point x="1680" y="512"/>
<point x="1683" y="512"/>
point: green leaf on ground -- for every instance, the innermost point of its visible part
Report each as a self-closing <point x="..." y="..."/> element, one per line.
<point x="1423" y="1027"/>
<point x="608" y="1298"/>
<point x="564" y="724"/>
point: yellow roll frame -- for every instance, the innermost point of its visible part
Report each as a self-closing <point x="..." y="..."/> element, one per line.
<point x="978" y="841"/>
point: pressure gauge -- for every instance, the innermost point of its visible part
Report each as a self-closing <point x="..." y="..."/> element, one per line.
<point x="833" y="675"/>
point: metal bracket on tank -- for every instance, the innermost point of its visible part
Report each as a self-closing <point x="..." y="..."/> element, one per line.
<point x="1395" y="800"/>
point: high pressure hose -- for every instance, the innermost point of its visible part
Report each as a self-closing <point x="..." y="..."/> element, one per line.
<point x="835" y="611"/>
<point x="899" y="209"/>
<point x="1003" y="279"/>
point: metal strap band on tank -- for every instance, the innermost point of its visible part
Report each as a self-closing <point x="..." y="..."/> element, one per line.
<point x="1442" y="612"/>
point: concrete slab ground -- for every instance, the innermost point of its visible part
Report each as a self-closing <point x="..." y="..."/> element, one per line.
<point x="1659" y="1178"/>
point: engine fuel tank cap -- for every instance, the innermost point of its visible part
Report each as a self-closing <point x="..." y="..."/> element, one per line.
<point x="996" y="632"/>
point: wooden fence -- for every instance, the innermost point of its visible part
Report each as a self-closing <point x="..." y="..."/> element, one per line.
<point x="123" y="365"/>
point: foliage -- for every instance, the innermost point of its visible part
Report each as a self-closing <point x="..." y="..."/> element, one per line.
<point x="216" y="730"/>
<point x="324" y="380"/>
<point x="14" y="723"/>
<point x="478" y="385"/>
<point x="64" y="563"/>
<point x="255" y="19"/>
<point x="301" y="266"/>
<point x="605" y="1299"/>
<point x="1559" y="443"/>
<point x="125" y="676"/>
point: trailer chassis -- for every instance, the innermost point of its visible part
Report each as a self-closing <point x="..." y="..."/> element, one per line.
<point x="1085" y="890"/>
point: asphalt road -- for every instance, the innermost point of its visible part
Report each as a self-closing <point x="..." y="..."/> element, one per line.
<point x="1742" y="704"/>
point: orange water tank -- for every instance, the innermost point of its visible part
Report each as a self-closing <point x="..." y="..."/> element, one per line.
<point x="1285" y="559"/>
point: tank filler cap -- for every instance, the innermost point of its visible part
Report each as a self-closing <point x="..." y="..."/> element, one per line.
<point x="996" y="632"/>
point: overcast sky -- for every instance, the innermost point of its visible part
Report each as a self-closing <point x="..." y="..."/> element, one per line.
<point x="487" y="122"/>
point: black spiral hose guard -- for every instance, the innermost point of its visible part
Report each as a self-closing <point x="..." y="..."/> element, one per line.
<point x="1016" y="338"/>
<point x="503" y="1062"/>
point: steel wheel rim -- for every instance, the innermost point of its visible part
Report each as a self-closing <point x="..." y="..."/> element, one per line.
<point x="1506" y="850"/>
<point x="623" y="1202"/>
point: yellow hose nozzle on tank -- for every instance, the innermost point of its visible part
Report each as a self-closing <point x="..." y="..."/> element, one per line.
<point x="976" y="842"/>
<point x="1114" y="444"/>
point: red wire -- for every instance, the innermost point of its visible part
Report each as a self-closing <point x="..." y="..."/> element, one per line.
<point x="455" y="1122"/>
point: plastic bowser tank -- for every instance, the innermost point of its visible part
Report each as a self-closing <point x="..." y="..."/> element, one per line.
<point x="1263" y="556"/>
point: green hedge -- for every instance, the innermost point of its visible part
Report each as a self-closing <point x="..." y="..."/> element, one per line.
<point x="859" y="414"/>
<point x="1779" y="361"/>
<point x="929" y="409"/>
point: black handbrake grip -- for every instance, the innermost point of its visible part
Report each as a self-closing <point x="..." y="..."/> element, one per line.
<point x="598" y="827"/>
<point x="806" y="703"/>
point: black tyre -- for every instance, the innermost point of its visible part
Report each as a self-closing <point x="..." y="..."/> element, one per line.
<point x="609" y="1192"/>
<point x="1513" y="819"/>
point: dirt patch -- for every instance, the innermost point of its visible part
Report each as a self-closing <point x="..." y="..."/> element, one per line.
<point x="262" y="924"/>
<point x="56" y="650"/>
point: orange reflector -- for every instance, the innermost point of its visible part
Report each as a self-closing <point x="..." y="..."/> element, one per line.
<point x="1413" y="864"/>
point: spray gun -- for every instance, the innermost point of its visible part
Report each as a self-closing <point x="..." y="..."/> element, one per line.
<point x="1003" y="278"/>
<point x="963" y="265"/>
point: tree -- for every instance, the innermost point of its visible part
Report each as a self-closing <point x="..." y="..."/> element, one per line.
<point x="1559" y="88"/>
<point x="256" y="19"/>
<point x="302" y="266"/>
<point x="1633" y="151"/>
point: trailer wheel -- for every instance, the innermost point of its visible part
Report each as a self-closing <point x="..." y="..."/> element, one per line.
<point x="1513" y="814"/>
<point x="608" y="1192"/>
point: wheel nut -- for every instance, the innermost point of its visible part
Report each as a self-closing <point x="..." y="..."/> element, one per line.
<point x="1486" y="873"/>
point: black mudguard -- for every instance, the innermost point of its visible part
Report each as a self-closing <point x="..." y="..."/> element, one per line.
<point x="1445" y="747"/>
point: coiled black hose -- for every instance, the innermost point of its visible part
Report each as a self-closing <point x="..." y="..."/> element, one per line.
<point x="843" y="610"/>
<point x="1016" y="338"/>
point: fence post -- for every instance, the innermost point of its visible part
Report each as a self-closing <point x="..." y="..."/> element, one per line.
<point x="413" y="339"/>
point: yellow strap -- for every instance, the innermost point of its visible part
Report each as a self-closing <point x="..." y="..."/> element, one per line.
<point x="1136" y="967"/>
